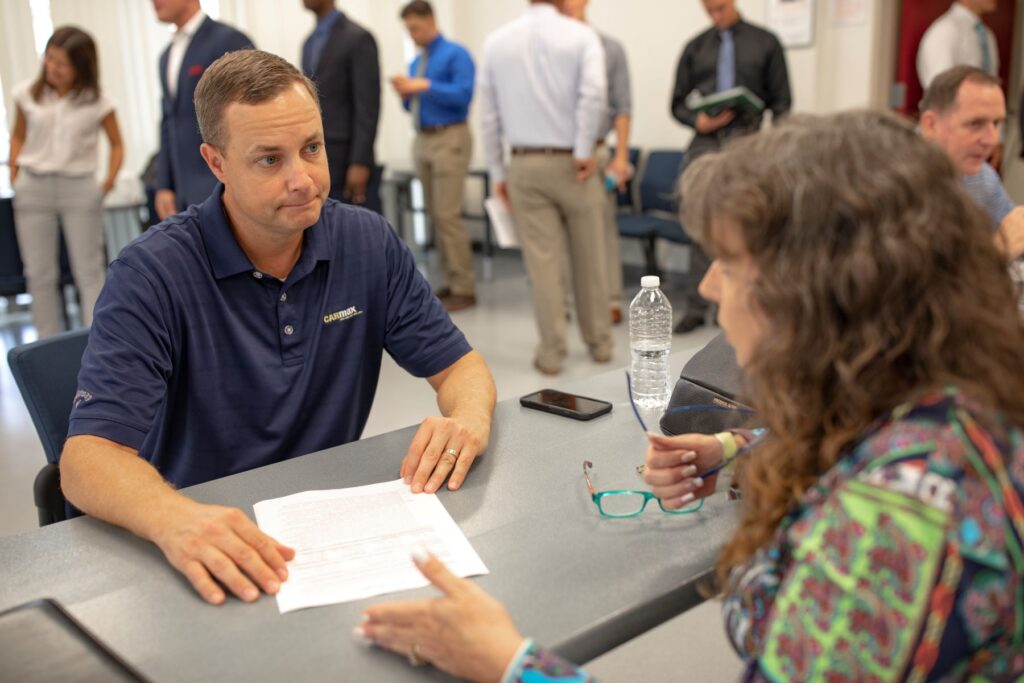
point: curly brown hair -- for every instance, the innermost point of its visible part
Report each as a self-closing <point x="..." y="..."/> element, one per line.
<point x="878" y="278"/>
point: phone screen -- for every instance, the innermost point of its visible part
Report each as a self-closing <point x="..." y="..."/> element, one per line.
<point x="566" y="404"/>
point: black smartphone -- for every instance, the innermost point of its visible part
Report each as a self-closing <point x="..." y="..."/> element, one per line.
<point x="566" y="405"/>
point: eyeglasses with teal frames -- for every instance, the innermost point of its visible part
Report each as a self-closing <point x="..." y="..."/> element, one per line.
<point x="621" y="503"/>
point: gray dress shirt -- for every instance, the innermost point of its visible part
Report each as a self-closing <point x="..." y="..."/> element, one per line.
<point x="620" y="102"/>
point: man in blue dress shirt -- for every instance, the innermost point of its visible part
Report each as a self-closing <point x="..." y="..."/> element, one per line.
<point x="249" y="330"/>
<point x="437" y="92"/>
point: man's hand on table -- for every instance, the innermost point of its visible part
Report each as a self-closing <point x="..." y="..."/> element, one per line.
<point x="443" y="446"/>
<point x="211" y="544"/>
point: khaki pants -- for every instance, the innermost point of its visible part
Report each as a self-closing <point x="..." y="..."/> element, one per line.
<point x="42" y="204"/>
<point x="442" y="161"/>
<point x="555" y="216"/>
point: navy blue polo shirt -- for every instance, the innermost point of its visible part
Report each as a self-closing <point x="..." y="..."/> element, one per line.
<point x="209" y="367"/>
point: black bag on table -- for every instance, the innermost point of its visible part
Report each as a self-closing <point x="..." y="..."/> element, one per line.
<point x="704" y="400"/>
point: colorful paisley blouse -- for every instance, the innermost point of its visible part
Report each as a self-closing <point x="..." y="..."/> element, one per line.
<point x="903" y="562"/>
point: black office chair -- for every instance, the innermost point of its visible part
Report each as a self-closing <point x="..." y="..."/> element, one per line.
<point x="46" y="373"/>
<point x="12" y="275"/>
<point x="658" y="211"/>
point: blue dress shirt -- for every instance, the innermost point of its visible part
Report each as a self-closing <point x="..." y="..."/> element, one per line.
<point x="209" y="367"/>
<point x="314" y="45"/>
<point x="452" y="75"/>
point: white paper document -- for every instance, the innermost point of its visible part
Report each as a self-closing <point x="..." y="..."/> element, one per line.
<point x="356" y="543"/>
<point x="501" y="219"/>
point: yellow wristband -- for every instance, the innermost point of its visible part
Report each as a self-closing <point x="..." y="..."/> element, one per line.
<point x="729" y="446"/>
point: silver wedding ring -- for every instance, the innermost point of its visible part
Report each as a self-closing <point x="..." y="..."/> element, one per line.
<point x="415" y="658"/>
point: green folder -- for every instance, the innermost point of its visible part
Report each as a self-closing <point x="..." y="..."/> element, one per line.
<point x="733" y="98"/>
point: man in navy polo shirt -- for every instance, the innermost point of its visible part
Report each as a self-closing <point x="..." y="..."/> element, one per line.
<point x="249" y="330"/>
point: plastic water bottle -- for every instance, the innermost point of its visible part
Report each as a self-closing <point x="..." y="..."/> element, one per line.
<point x="650" y="341"/>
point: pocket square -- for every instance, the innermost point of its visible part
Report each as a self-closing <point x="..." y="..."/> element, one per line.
<point x="195" y="70"/>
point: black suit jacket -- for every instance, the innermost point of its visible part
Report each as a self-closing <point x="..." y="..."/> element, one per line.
<point x="180" y="167"/>
<point x="348" y="79"/>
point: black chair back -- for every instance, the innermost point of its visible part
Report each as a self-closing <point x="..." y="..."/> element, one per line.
<point x="658" y="182"/>
<point x="46" y="373"/>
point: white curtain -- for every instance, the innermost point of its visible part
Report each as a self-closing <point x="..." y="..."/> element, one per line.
<point x="19" y="60"/>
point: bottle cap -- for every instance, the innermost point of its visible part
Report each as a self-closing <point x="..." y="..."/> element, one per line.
<point x="650" y="281"/>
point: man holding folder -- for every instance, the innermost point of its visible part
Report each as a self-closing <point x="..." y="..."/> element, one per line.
<point x="731" y="54"/>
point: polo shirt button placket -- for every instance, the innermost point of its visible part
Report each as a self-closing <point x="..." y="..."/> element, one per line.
<point x="288" y="330"/>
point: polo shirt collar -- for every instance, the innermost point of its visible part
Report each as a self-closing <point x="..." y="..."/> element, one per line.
<point x="227" y="257"/>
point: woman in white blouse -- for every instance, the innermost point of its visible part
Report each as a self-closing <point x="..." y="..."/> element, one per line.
<point x="53" y="170"/>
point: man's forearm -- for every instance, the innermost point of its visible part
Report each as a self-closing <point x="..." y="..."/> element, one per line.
<point x="622" y="123"/>
<point x="111" y="482"/>
<point x="468" y="390"/>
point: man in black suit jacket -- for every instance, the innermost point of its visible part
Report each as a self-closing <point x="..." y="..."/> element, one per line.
<point x="340" y="56"/>
<point x="183" y="178"/>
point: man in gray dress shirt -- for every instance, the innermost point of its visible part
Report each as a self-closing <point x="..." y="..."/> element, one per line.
<point x="542" y="89"/>
<point x="618" y="118"/>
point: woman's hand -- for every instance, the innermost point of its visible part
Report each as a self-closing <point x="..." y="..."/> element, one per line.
<point x="674" y="464"/>
<point x="466" y="632"/>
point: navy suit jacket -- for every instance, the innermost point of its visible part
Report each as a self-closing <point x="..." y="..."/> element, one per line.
<point x="181" y="168"/>
<point x="348" y="80"/>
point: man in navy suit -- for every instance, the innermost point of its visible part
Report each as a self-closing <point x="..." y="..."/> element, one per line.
<point x="340" y="56"/>
<point x="183" y="178"/>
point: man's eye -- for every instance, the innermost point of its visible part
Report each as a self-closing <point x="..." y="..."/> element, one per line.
<point x="313" y="147"/>
<point x="267" y="161"/>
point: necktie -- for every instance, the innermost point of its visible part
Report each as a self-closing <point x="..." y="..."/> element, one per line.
<point x="726" y="61"/>
<point x="986" y="56"/>
<point x="414" y="105"/>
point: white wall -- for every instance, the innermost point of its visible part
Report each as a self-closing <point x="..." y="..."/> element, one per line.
<point x="838" y="71"/>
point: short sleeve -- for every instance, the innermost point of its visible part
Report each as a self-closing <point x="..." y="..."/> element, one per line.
<point x="420" y="335"/>
<point x="104" y="105"/>
<point x="128" y="361"/>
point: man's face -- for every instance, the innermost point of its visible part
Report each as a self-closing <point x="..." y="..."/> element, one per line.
<point x="421" y="29"/>
<point x="722" y="12"/>
<point x="969" y="130"/>
<point x="274" y="167"/>
<point x="172" y="11"/>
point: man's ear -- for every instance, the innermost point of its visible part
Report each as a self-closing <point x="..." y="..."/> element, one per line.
<point x="214" y="159"/>
<point x="928" y="121"/>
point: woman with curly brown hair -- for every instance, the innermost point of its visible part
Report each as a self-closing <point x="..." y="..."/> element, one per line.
<point x="882" y="530"/>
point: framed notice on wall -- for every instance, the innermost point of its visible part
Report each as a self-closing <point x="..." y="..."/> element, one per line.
<point x="792" y="21"/>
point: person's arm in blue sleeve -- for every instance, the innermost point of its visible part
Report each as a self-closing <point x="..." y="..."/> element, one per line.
<point x="421" y="337"/>
<point x="123" y="382"/>
<point x="457" y="92"/>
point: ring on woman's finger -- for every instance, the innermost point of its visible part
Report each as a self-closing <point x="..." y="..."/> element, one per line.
<point x="415" y="658"/>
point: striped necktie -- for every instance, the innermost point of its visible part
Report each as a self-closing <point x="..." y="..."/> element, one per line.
<point x="726" y="61"/>
<point x="986" y="55"/>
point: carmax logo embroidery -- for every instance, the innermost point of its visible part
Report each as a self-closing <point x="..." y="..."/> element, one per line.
<point x="338" y="316"/>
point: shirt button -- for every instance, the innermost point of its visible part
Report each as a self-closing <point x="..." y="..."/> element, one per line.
<point x="258" y="275"/>
<point x="288" y="329"/>
<point x="284" y="297"/>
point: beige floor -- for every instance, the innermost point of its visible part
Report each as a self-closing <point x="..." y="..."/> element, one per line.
<point x="691" y="647"/>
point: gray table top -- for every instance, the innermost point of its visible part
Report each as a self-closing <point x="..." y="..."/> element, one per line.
<point x="576" y="582"/>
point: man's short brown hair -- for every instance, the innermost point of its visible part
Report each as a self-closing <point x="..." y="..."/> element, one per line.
<point x="941" y="94"/>
<point x="246" y="76"/>
<point x="417" y="8"/>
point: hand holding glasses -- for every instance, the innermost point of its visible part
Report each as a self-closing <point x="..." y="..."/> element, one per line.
<point x="624" y="503"/>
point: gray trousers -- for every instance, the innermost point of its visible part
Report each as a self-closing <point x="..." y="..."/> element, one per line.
<point x="43" y="203"/>
<point x="555" y="216"/>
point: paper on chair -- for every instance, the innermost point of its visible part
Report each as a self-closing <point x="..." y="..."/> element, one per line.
<point x="501" y="219"/>
<point x="357" y="542"/>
